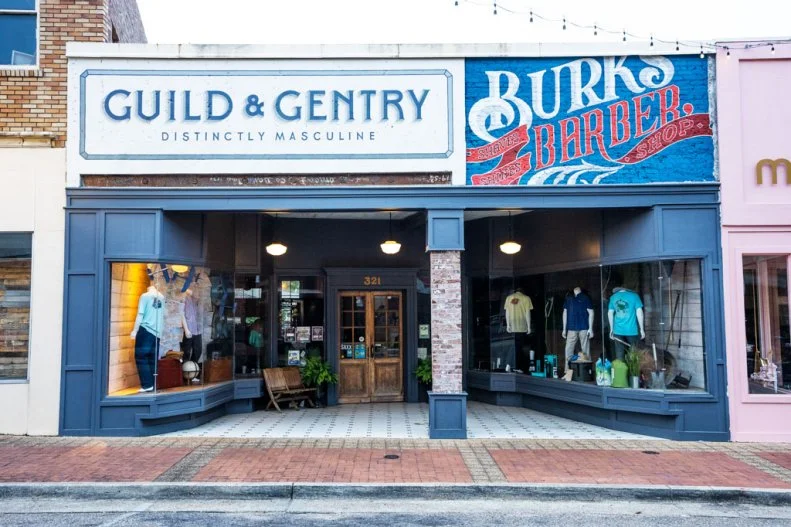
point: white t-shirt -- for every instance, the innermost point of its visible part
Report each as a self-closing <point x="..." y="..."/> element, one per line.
<point x="517" y="311"/>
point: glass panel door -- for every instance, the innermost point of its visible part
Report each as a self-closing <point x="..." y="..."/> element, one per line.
<point x="386" y="370"/>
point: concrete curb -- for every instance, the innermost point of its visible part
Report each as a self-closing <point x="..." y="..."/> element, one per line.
<point x="440" y="491"/>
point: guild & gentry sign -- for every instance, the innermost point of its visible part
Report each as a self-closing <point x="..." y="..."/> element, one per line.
<point x="278" y="111"/>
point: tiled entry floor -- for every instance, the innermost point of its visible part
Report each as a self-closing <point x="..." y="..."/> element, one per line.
<point x="398" y="421"/>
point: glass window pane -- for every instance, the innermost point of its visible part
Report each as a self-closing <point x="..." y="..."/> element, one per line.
<point x="18" y="39"/>
<point x="767" y="323"/>
<point x="347" y="303"/>
<point x="301" y="318"/>
<point x="27" y="5"/>
<point x="15" y="271"/>
<point x="346" y="319"/>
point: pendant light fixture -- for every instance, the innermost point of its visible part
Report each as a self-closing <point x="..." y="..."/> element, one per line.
<point x="275" y="248"/>
<point x="510" y="246"/>
<point x="390" y="246"/>
<point x="178" y="268"/>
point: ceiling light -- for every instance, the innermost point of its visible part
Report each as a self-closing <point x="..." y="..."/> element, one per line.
<point x="275" y="248"/>
<point x="390" y="246"/>
<point x="510" y="246"/>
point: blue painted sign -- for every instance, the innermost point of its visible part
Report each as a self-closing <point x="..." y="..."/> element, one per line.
<point x="604" y="120"/>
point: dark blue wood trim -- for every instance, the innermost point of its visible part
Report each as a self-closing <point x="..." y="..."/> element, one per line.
<point x="391" y="198"/>
<point x="445" y="230"/>
<point x="615" y="408"/>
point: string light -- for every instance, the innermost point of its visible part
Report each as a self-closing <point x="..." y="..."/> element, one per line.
<point x="596" y="28"/>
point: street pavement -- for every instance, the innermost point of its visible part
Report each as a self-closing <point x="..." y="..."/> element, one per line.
<point x="372" y="513"/>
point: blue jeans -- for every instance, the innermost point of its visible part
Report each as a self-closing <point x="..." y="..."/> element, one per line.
<point x="146" y="345"/>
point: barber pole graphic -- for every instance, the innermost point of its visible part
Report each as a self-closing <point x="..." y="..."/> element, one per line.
<point x="610" y="120"/>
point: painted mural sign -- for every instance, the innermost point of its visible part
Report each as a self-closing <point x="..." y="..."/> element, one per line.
<point x="604" y="120"/>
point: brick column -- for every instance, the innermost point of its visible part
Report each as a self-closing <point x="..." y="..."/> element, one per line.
<point x="446" y="350"/>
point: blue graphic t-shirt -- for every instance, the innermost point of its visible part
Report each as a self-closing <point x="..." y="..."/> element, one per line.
<point x="625" y="304"/>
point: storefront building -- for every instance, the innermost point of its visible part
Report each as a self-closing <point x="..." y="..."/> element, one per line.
<point x="754" y="112"/>
<point x="235" y="205"/>
<point x="33" y="37"/>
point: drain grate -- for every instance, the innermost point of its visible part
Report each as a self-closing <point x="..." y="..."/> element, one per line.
<point x="652" y="452"/>
<point x="392" y="456"/>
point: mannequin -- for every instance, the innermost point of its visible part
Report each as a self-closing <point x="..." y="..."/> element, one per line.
<point x="625" y="314"/>
<point x="518" y="321"/>
<point x="517" y="312"/>
<point x="149" y="325"/>
<point x="577" y="325"/>
<point x="192" y="343"/>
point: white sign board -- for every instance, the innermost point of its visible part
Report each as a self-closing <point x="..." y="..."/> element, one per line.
<point x="258" y="116"/>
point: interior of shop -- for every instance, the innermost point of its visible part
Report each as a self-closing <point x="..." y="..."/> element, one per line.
<point x="539" y="302"/>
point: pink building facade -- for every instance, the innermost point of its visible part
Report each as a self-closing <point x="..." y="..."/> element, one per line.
<point x="754" y="129"/>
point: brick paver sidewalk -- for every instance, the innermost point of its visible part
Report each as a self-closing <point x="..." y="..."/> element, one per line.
<point x="26" y="459"/>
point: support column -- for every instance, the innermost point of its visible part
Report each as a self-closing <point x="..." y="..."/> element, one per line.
<point x="447" y="400"/>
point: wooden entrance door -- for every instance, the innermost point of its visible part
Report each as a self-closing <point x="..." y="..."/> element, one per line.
<point x="371" y="346"/>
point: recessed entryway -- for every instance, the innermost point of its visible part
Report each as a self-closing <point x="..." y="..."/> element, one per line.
<point x="399" y="421"/>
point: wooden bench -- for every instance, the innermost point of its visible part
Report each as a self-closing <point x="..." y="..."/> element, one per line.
<point x="285" y="384"/>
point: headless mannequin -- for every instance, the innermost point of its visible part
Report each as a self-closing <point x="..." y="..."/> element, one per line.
<point x="192" y="343"/>
<point x="148" y="328"/>
<point x="626" y="318"/>
<point x="518" y="320"/>
<point x="577" y="326"/>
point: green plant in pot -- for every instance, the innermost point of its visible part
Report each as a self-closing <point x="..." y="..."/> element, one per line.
<point x="423" y="374"/>
<point x="633" y="358"/>
<point x="317" y="373"/>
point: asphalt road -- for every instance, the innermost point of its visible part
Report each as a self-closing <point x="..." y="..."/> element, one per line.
<point x="373" y="513"/>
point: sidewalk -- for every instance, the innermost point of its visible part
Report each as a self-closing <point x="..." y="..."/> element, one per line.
<point x="367" y="461"/>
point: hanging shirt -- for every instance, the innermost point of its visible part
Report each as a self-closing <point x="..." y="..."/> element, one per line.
<point x="256" y="339"/>
<point x="191" y="315"/>
<point x="151" y="313"/>
<point x="517" y="310"/>
<point x="577" y="307"/>
<point x="624" y="304"/>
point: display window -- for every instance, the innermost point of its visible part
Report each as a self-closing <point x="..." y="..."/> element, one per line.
<point x="15" y="275"/>
<point x="632" y="325"/>
<point x="171" y="328"/>
<point x="766" y="317"/>
<point x="251" y="316"/>
<point x="300" y="319"/>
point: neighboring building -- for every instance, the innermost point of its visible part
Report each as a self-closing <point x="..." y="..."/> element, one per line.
<point x="188" y="165"/>
<point x="33" y="78"/>
<point x="755" y="162"/>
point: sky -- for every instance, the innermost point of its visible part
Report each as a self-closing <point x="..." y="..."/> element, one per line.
<point x="472" y="21"/>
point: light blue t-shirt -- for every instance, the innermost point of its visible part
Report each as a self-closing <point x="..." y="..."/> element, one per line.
<point x="151" y="313"/>
<point x="625" y="304"/>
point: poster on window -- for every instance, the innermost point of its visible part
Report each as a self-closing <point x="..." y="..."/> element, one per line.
<point x="317" y="333"/>
<point x="293" y="357"/>
<point x="303" y="334"/>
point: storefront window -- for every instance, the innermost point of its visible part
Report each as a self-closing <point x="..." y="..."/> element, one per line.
<point x="171" y="328"/>
<point x="15" y="261"/>
<point x="300" y="319"/>
<point x="766" y="316"/>
<point x="252" y="328"/>
<point x="641" y="322"/>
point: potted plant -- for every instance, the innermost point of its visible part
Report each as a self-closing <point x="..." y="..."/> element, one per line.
<point x="423" y="374"/>
<point x="633" y="359"/>
<point x="317" y="373"/>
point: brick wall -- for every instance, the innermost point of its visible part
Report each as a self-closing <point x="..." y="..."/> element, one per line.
<point x="34" y="101"/>
<point x="446" y="321"/>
